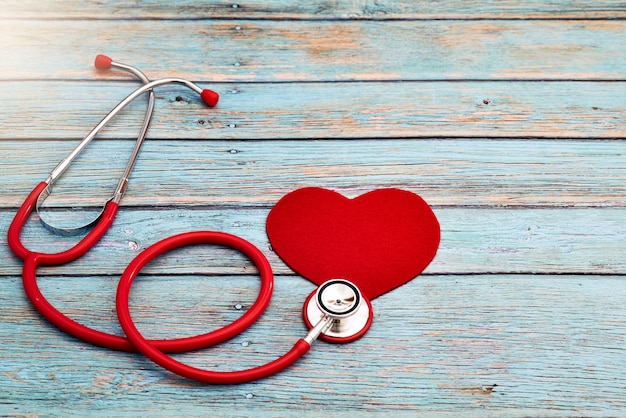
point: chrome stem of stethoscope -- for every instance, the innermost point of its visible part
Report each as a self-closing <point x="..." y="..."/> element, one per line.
<point x="320" y="328"/>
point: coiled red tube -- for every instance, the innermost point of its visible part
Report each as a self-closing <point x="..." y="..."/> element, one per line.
<point x="33" y="259"/>
<point x="153" y="352"/>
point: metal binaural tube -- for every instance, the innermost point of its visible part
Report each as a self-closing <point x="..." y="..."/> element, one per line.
<point x="63" y="165"/>
<point x="123" y="182"/>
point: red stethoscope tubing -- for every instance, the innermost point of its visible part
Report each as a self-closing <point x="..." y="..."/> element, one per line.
<point x="153" y="352"/>
<point x="153" y="349"/>
<point x="34" y="259"/>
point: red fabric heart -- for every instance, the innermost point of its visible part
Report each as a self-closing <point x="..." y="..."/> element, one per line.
<point x="379" y="240"/>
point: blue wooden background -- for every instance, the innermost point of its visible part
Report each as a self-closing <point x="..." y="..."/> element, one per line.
<point x="508" y="117"/>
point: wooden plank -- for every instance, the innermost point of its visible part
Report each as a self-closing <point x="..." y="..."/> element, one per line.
<point x="473" y="105"/>
<point x="460" y="345"/>
<point x="481" y="240"/>
<point x="447" y="172"/>
<point x="326" y="110"/>
<point x="279" y="51"/>
<point x="300" y="9"/>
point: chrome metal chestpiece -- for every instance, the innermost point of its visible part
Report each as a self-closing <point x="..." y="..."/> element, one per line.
<point x="337" y="312"/>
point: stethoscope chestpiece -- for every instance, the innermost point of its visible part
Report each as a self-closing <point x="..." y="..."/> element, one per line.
<point x="341" y="301"/>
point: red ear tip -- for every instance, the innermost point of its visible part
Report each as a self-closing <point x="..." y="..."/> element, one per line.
<point x="103" y="62"/>
<point x="210" y="97"/>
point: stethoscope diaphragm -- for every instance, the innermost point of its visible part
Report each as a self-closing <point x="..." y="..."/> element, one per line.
<point x="342" y="301"/>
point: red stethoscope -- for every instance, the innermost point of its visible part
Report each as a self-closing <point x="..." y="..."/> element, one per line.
<point x="335" y="312"/>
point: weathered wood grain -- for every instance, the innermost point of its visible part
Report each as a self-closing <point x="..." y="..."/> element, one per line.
<point x="460" y="345"/>
<point x="480" y="240"/>
<point x="48" y="110"/>
<point x="271" y="51"/>
<point x="446" y="172"/>
<point x="302" y="9"/>
<point x="507" y="116"/>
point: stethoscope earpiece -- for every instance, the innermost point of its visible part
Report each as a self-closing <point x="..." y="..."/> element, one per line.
<point x="339" y="310"/>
